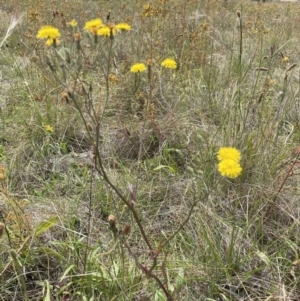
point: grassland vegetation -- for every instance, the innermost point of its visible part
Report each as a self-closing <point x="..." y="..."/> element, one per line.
<point x="149" y="150"/>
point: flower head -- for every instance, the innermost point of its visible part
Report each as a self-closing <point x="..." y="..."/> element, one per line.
<point x="105" y="31"/>
<point x="169" y="63"/>
<point x="112" y="220"/>
<point x="285" y="59"/>
<point x="72" y="23"/>
<point x="50" y="33"/>
<point x="93" y="25"/>
<point x="138" y="67"/>
<point x="54" y="42"/>
<point x="2" y="172"/>
<point x="229" y="153"/>
<point x="48" y="128"/>
<point x="123" y="26"/>
<point x="229" y="168"/>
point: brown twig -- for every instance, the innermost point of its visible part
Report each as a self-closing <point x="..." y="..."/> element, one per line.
<point x="289" y="172"/>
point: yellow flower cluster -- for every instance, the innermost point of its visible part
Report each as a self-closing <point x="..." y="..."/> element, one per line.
<point x="93" y="25"/>
<point x="229" y="153"/>
<point x="48" y="128"/>
<point x="140" y="67"/>
<point x="169" y="63"/>
<point x="97" y="27"/>
<point x="50" y="33"/>
<point x="72" y="23"/>
<point x="123" y="26"/>
<point x="105" y="31"/>
<point x="229" y="165"/>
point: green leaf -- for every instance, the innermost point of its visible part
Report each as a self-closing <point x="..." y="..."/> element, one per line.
<point x="264" y="258"/>
<point x="160" y="296"/>
<point x="175" y="150"/>
<point x="171" y="169"/>
<point x="45" y="226"/>
<point x="180" y="280"/>
<point x="115" y="269"/>
<point x="67" y="272"/>
<point x="47" y="297"/>
<point x="51" y="252"/>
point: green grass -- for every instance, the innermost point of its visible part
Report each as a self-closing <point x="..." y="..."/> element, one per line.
<point x="109" y="182"/>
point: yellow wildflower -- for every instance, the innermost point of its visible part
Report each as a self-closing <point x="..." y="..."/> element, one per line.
<point x="93" y="25"/>
<point x="50" y="33"/>
<point x="50" y="42"/>
<point x="229" y="153"/>
<point x="169" y="63"/>
<point x="72" y="23"/>
<point x="48" y="128"/>
<point x="123" y="26"/>
<point x="285" y="59"/>
<point x="113" y="78"/>
<point x="229" y="168"/>
<point x="105" y="31"/>
<point x="138" y="67"/>
<point x="2" y="172"/>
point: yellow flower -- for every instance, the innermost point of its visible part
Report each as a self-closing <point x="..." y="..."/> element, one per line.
<point x="93" y="25"/>
<point x="138" y="67"/>
<point x="50" y="33"/>
<point x="113" y="78"/>
<point x="49" y="42"/>
<point x="229" y="168"/>
<point x="105" y="31"/>
<point x="229" y="153"/>
<point x="123" y="26"/>
<point x="73" y="23"/>
<point x="48" y="128"/>
<point x="285" y="59"/>
<point x="169" y="63"/>
<point x="2" y="172"/>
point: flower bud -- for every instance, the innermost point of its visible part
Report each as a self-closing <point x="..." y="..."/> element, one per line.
<point x="126" y="230"/>
<point x="2" y="227"/>
<point x="112" y="220"/>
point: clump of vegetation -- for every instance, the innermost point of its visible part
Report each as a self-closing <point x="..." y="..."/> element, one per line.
<point x="149" y="151"/>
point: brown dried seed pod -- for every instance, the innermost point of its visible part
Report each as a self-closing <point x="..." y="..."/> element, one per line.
<point x="112" y="220"/>
<point x="126" y="229"/>
<point x="2" y="227"/>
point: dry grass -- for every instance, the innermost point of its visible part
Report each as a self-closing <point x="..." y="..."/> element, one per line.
<point x="237" y="84"/>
